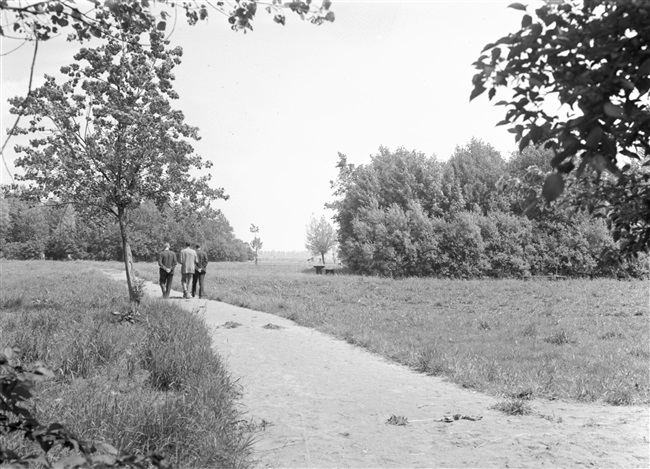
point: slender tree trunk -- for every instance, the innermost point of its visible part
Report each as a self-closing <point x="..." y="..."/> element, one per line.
<point x="322" y="256"/>
<point x="128" y="260"/>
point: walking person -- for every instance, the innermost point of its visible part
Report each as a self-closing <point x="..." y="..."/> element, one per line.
<point x="199" y="273"/>
<point x="188" y="266"/>
<point x="166" y="263"/>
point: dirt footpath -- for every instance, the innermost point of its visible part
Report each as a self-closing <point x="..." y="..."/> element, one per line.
<point x="325" y="403"/>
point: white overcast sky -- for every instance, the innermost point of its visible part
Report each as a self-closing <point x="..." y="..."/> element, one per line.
<point x="275" y="106"/>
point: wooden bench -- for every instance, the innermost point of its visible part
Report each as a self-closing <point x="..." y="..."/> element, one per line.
<point x="319" y="268"/>
<point x="329" y="270"/>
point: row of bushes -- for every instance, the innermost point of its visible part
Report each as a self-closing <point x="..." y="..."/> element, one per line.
<point x="398" y="242"/>
<point x="406" y="214"/>
<point x="154" y="385"/>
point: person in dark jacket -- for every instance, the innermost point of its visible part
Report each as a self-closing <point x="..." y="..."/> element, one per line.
<point x="167" y="263"/>
<point x="199" y="273"/>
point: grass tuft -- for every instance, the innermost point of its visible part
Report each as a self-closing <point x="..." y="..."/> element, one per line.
<point x="431" y="361"/>
<point x="513" y="407"/>
<point x="484" y="325"/>
<point x="231" y="325"/>
<point x="397" y="420"/>
<point x="272" y="326"/>
<point x="611" y="335"/>
<point x="530" y="330"/>
<point x="560" y="338"/>
<point x="619" y="397"/>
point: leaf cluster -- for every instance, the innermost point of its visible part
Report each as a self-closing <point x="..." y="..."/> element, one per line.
<point x="43" y="20"/>
<point x="590" y="58"/>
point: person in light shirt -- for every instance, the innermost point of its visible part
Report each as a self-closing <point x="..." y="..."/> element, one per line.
<point x="188" y="267"/>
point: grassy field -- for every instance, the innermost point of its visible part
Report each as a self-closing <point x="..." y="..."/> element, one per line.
<point x="584" y="340"/>
<point x="152" y="385"/>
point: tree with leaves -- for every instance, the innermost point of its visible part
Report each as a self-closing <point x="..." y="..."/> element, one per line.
<point x="384" y="209"/>
<point x="256" y="243"/>
<point x="590" y="59"/>
<point x="37" y="21"/>
<point x="107" y="139"/>
<point x="397" y="177"/>
<point x="43" y="20"/>
<point x="470" y="176"/>
<point x="24" y="228"/>
<point x="321" y="237"/>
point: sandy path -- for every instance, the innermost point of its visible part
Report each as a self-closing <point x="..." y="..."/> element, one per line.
<point x="325" y="404"/>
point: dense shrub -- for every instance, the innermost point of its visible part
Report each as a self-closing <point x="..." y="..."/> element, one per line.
<point x="461" y="246"/>
<point x="506" y="237"/>
<point x="407" y="215"/>
<point x="392" y="241"/>
<point x="26" y="250"/>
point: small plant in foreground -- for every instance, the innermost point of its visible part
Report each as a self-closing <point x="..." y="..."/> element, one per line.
<point x="397" y="420"/>
<point x="230" y="325"/>
<point x="272" y="326"/>
<point x="513" y="407"/>
<point x="138" y="295"/>
<point x="559" y="338"/>
<point x="16" y="384"/>
<point x="431" y="362"/>
<point x="619" y="397"/>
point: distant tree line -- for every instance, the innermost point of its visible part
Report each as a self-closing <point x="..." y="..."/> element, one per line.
<point x="57" y="231"/>
<point x="475" y="215"/>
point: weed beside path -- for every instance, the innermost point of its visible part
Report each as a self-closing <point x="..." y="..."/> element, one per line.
<point x="152" y="385"/>
<point x="583" y="340"/>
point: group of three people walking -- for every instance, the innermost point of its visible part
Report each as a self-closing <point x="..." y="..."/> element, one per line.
<point x="194" y="263"/>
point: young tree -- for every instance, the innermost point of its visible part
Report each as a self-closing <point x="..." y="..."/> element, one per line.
<point x="256" y="243"/>
<point x="591" y="58"/>
<point x="108" y="138"/>
<point x="320" y="237"/>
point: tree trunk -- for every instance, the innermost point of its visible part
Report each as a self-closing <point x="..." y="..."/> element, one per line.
<point x="134" y="298"/>
<point x="322" y="256"/>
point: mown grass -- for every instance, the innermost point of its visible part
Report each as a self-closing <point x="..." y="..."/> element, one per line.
<point x="155" y="385"/>
<point x="584" y="340"/>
